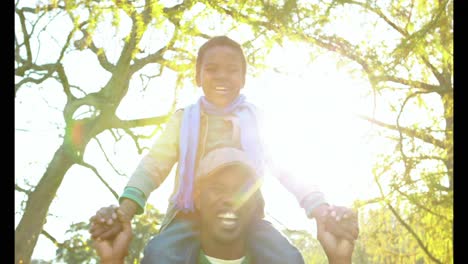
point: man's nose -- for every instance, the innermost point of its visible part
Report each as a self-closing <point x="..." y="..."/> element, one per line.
<point x="228" y="199"/>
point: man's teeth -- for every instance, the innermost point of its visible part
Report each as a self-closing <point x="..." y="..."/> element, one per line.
<point x="228" y="219"/>
<point x="220" y="88"/>
<point x="229" y="223"/>
<point x="228" y="215"/>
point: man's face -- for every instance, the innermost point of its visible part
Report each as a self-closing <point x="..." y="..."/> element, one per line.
<point x="224" y="205"/>
<point x="221" y="75"/>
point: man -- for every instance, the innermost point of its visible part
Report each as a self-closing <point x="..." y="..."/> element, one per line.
<point x="225" y="193"/>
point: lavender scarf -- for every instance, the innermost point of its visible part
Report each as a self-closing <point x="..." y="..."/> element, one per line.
<point x="188" y="142"/>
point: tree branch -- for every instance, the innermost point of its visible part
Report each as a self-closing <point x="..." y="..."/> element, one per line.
<point x="407" y="131"/>
<point x="20" y="71"/>
<point x="173" y="13"/>
<point x="25" y="34"/>
<point x="427" y="157"/>
<point x="142" y="76"/>
<point x="413" y="233"/>
<point x="155" y="57"/>
<point x="45" y="8"/>
<point x="434" y="71"/>
<point x="65" y="46"/>
<point x="379" y="13"/>
<point x="18" y="188"/>
<point x="406" y="34"/>
<point x="100" y="53"/>
<point x="107" y="158"/>
<point x="415" y="202"/>
<point x="360" y="203"/>
<point x="152" y="58"/>
<point x="51" y="238"/>
<point x="49" y="68"/>
<point x="405" y="225"/>
<point x="413" y="84"/>
<point x="435" y="17"/>
<point x="116" y="137"/>
<point x="31" y="80"/>
<point x="408" y="165"/>
<point x="409" y="15"/>
<point x="91" y="99"/>
<point x="142" y="122"/>
<point x="33" y="28"/>
<point x="150" y="135"/>
<point x="79" y="89"/>
<point x="102" y="58"/>
<point x="135" y="140"/>
<point x="64" y="81"/>
<point x="91" y="167"/>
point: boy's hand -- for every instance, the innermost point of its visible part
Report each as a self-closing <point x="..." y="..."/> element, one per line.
<point x="342" y="222"/>
<point x="319" y="212"/>
<point x="104" y="224"/>
<point x="114" y="251"/>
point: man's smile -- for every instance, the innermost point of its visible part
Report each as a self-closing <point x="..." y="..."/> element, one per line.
<point x="228" y="220"/>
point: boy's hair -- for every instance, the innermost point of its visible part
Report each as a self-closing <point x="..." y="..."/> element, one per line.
<point x="220" y="41"/>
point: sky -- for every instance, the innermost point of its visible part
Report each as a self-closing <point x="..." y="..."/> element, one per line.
<point x="312" y="110"/>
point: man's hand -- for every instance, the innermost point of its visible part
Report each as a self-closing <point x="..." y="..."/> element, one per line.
<point x="114" y="251"/>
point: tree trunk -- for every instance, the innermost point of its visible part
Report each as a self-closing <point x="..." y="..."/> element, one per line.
<point x="39" y="201"/>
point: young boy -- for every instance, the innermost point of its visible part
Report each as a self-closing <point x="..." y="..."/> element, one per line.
<point x="221" y="118"/>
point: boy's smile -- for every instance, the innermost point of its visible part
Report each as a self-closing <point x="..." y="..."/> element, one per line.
<point x="221" y="75"/>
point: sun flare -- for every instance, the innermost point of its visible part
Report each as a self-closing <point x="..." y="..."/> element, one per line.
<point x="313" y="130"/>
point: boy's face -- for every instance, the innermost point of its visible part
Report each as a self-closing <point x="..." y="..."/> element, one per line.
<point x="225" y="205"/>
<point x="221" y="75"/>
